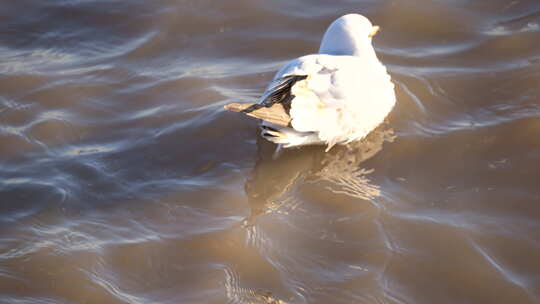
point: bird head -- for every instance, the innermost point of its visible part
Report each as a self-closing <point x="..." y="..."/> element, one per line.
<point x="348" y="35"/>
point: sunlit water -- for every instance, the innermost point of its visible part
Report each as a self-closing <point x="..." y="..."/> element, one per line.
<point x="122" y="179"/>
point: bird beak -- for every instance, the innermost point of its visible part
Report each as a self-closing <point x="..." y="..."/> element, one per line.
<point x="374" y="30"/>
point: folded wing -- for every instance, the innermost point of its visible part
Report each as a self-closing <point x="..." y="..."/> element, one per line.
<point x="342" y="98"/>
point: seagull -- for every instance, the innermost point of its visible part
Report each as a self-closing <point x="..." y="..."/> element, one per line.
<point x="336" y="96"/>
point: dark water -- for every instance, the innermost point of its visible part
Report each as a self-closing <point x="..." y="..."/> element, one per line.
<point x="122" y="180"/>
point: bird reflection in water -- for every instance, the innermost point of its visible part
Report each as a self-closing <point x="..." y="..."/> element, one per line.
<point x="271" y="186"/>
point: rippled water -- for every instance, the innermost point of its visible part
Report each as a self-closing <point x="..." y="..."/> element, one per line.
<point x="122" y="180"/>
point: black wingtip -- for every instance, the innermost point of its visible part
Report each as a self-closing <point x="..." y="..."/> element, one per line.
<point x="252" y="108"/>
<point x="281" y="92"/>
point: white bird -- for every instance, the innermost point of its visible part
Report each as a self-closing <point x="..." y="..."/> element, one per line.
<point x="334" y="97"/>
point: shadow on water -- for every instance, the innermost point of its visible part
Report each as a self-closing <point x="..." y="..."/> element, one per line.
<point x="276" y="199"/>
<point x="273" y="180"/>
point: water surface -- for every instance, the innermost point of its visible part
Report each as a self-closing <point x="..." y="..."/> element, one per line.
<point x="122" y="179"/>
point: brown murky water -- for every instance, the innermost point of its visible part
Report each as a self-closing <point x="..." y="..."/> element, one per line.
<point x="122" y="180"/>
